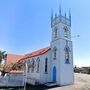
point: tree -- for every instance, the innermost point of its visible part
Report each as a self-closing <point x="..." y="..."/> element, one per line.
<point x="2" y="55"/>
<point x="5" y="68"/>
<point x="75" y="69"/>
<point x="21" y="65"/>
<point x="17" y="66"/>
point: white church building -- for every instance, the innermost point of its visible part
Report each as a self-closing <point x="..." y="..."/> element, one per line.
<point x="53" y="63"/>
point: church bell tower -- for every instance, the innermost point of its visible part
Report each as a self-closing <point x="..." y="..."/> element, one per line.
<point x="62" y="51"/>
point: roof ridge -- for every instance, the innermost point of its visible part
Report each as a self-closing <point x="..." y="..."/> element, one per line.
<point x="36" y="53"/>
<point x="37" y="50"/>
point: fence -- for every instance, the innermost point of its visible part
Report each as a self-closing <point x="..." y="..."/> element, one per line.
<point x="12" y="80"/>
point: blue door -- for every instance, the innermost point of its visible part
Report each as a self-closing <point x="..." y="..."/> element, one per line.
<point x="54" y="74"/>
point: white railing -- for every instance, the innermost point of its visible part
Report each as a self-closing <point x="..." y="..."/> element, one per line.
<point x="12" y="81"/>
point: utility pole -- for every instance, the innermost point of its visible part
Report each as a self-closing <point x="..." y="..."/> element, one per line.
<point x="25" y="81"/>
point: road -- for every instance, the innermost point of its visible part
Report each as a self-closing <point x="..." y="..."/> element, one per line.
<point x="82" y="82"/>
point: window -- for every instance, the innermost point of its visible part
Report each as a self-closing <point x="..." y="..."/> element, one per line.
<point x="46" y="62"/>
<point x="55" y="53"/>
<point x="67" y="50"/>
<point x="55" y="31"/>
<point x="28" y="65"/>
<point x="38" y="60"/>
<point x="66" y="32"/>
<point x="33" y="64"/>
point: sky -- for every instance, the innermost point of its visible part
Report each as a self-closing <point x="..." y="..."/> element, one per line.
<point x="25" y="26"/>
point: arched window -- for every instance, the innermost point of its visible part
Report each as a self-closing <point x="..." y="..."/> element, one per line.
<point x="33" y="64"/>
<point x="46" y="63"/>
<point x="28" y="62"/>
<point x="66" y="32"/>
<point x="38" y="62"/>
<point x="67" y="50"/>
<point x="55" y="31"/>
<point x="55" y="53"/>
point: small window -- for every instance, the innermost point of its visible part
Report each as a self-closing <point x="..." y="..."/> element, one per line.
<point x="46" y="63"/>
<point x="65" y="32"/>
<point x="28" y="65"/>
<point x="55" y="53"/>
<point x="38" y="62"/>
<point x="55" y="31"/>
<point x="67" y="50"/>
<point x="33" y="64"/>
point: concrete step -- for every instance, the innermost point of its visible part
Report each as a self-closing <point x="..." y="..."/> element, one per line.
<point x="50" y="84"/>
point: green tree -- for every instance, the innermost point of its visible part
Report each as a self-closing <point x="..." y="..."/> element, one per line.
<point x="2" y="55"/>
<point x="75" y="69"/>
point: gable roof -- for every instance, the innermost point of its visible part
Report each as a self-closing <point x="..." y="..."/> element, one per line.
<point x="36" y="53"/>
<point x="13" y="58"/>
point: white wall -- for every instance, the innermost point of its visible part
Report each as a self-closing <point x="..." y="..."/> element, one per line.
<point x="67" y="74"/>
<point x="64" y="72"/>
<point x="40" y="77"/>
<point x="46" y="77"/>
<point x="34" y="75"/>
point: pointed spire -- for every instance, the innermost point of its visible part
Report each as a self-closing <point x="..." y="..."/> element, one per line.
<point x="60" y="9"/>
<point x="51" y="17"/>
<point x="70" y="16"/>
<point x="55" y="17"/>
<point x="65" y="17"/>
<point x="60" y="12"/>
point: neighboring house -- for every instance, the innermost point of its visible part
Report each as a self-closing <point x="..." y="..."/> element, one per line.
<point x="8" y="61"/>
<point x="12" y="58"/>
<point x="54" y="63"/>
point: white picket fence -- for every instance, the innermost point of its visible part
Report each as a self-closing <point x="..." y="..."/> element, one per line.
<point x="12" y="80"/>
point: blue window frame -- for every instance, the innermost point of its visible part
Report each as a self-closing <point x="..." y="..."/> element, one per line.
<point x="67" y="50"/>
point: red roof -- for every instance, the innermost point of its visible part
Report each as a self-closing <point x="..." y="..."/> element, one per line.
<point x="36" y="53"/>
<point x="16" y="72"/>
<point x="12" y="58"/>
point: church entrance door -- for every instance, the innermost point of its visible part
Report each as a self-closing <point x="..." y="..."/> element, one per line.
<point x="54" y="74"/>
